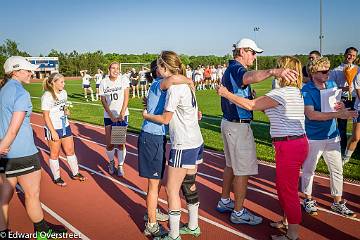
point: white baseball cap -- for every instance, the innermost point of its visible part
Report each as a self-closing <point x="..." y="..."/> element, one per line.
<point x="248" y="43"/>
<point x="15" y="63"/>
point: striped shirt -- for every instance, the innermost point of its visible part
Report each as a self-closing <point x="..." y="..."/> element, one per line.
<point x="286" y="119"/>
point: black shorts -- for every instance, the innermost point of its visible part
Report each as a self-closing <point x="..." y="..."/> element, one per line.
<point x="14" y="167"/>
<point x="134" y="82"/>
<point x="151" y="155"/>
<point x="143" y="83"/>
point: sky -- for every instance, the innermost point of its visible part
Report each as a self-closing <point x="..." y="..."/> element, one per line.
<point x="192" y="27"/>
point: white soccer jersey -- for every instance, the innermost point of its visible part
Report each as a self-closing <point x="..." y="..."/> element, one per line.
<point x="98" y="78"/>
<point x="114" y="92"/>
<point x="86" y="79"/>
<point x="142" y="75"/>
<point x="189" y="73"/>
<point x="184" y="128"/>
<point x="56" y="108"/>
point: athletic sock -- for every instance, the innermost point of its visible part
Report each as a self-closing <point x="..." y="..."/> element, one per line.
<point x="55" y="168"/>
<point x="97" y="97"/>
<point x="174" y="223"/>
<point x="193" y="215"/>
<point x="239" y="213"/>
<point x="121" y="155"/>
<point x="110" y="155"/>
<point x="73" y="163"/>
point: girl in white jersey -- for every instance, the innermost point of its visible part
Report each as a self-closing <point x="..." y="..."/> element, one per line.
<point x="114" y="94"/>
<point x="86" y="85"/>
<point x="181" y="113"/>
<point x="57" y="129"/>
<point x="98" y="77"/>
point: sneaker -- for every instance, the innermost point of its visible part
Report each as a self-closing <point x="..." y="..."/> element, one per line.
<point x="79" y="177"/>
<point x="120" y="171"/>
<point x="310" y="206"/>
<point x="53" y="229"/>
<point x="160" y="216"/>
<point x="167" y="237"/>
<point x="155" y="231"/>
<point x="59" y="182"/>
<point x="111" y="167"/>
<point x="246" y="217"/>
<point x="222" y="207"/>
<point x="185" y="230"/>
<point x="342" y="209"/>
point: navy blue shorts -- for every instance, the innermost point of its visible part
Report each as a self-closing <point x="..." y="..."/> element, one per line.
<point x="60" y="133"/>
<point x="357" y="120"/>
<point x="97" y="85"/>
<point x="151" y="155"/>
<point x="107" y="122"/>
<point x="86" y="85"/>
<point x="186" y="158"/>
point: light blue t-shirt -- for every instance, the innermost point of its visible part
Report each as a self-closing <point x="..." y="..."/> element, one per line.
<point x="14" y="98"/>
<point x="155" y="105"/>
<point x="318" y="130"/>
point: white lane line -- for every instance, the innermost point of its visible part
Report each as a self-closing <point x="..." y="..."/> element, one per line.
<point x="220" y="155"/>
<point x="213" y="177"/>
<point x="60" y="219"/>
<point x="160" y="200"/>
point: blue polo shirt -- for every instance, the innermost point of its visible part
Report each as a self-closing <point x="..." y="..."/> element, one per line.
<point x="14" y="98"/>
<point x="318" y="130"/>
<point x="155" y="105"/>
<point x="233" y="81"/>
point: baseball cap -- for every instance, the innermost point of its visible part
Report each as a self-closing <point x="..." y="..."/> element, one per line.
<point x="248" y="43"/>
<point x="15" y="63"/>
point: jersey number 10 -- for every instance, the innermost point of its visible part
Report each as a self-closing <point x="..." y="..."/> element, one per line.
<point x="114" y="96"/>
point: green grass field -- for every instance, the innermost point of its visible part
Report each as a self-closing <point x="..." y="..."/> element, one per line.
<point x="209" y="104"/>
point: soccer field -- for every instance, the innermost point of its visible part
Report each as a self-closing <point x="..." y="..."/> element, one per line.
<point x="209" y="104"/>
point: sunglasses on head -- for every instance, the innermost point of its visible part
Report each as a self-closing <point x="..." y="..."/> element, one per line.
<point x="324" y="71"/>
<point x="250" y="50"/>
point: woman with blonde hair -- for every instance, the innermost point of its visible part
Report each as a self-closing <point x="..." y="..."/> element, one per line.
<point x="285" y="108"/>
<point x="57" y="128"/>
<point x="181" y="113"/>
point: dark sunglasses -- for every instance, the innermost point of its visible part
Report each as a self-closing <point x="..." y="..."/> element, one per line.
<point x="324" y="71"/>
<point x="250" y="50"/>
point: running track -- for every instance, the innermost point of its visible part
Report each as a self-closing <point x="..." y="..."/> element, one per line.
<point x="107" y="207"/>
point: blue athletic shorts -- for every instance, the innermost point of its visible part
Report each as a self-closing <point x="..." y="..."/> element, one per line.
<point x="151" y="155"/>
<point x="97" y="85"/>
<point x="107" y="122"/>
<point x="60" y="133"/>
<point x="357" y="120"/>
<point x="186" y="158"/>
<point x="86" y="86"/>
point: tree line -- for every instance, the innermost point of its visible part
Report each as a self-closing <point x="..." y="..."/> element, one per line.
<point x="71" y="63"/>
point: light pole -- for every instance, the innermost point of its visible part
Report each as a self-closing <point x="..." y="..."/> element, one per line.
<point x="256" y="29"/>
<point x="321" y="36"/>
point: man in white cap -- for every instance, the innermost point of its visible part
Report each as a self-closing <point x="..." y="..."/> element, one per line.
<point x="239" y="144"/>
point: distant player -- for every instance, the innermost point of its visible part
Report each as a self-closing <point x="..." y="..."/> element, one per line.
<point x="98" y="77"/>
<point x="143" y="80"/>
<point x="114" y="93"/>
<point x="134" y="79"/>
<point x="86" y="85"/>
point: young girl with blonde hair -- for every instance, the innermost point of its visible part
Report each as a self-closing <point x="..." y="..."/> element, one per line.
<point x="57" y="127"/>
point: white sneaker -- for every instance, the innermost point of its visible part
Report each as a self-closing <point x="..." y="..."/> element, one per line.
<point x="120" y="171"/>
<point x="111" y="167"/>
<point x="310" y="206"/>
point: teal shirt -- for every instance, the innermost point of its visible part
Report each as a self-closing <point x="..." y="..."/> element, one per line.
<point x="14" y="98"/>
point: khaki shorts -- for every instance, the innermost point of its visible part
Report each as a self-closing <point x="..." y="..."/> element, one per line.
<point x="239" y="148"/>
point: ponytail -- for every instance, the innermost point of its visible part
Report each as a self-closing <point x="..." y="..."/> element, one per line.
<point x="48" y="84"/>
<point x="5" y="80"/>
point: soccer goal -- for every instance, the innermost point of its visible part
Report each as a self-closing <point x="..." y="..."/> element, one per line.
<point x="125" y="67"/>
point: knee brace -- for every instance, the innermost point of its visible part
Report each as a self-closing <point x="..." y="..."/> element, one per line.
<point x="191" y="197"/>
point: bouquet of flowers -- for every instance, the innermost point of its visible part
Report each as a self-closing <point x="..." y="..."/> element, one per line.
<point x="350" y="72"/>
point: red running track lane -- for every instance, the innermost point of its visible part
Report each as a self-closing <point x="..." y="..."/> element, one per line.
<point x="106" y="207"/>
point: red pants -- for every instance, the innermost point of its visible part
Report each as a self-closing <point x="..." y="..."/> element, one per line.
<point x="289" y="156"/>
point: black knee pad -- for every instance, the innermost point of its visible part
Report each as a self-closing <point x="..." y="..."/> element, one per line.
<point x="191" y="197"/>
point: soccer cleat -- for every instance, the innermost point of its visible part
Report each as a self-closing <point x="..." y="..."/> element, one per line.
<point x="111" y="167"/>
<point x="79" y="177"/>
<point x="160" y="216"/>
<point x="154" y="231"/>
<point x="120" y="171"/>
<point x="53" y="231"/>
<point x="59" y="182"/>
<point x="185" y="230"/>
<point x="342" y="209"/>
<point x="310" y="207"/>
<point x="222" y="207"/>
<point x="246" y="217"/>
